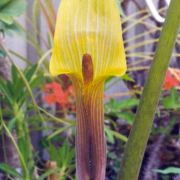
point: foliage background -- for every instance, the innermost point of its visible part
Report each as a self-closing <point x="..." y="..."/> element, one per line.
<point x="37" y="122"/>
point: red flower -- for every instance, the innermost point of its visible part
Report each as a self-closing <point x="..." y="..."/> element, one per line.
<point x="55" y="94"/>
<point x="171" y="80"/>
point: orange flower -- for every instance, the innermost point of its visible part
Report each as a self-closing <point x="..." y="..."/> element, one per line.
<point x="171" y="80"/>
<point x="55" y="94"/>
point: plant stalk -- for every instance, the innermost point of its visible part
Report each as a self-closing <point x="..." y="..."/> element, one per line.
<point x="24" y="143"/>
<point x="90" y="137"/>
<point x="141" y="129"/>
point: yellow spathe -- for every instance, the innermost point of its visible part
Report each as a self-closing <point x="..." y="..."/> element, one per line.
<point x="88" y="27"/>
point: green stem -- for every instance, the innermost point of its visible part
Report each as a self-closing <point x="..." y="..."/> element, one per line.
<point x="144" y="118"/>
<point x="24" y="143"/>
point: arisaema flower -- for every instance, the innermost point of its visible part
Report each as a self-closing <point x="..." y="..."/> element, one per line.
<point x="88" y="47"/>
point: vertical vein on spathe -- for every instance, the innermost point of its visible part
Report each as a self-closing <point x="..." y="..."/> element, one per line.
<point x="109" y="44"/>
<point x="77" y="42"/>
<point x="87" y="26"/>
<point x="97" y="31"/>
<point x="103" y="40"/>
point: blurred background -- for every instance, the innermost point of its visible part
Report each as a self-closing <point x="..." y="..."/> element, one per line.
<point x="37" y="111"/>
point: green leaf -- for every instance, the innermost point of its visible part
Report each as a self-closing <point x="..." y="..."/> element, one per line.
<point x="37" y="81"/>
<point x="11" y="124"/>
<point x="29" y="73"/>
<point x="9" y="170"/>
<point x="172" y="101"/>
<point x="169" y="170"/>
<point x="63" y="155"/>
<point x="17" y="85"/>
<point x="118" y="135"/>
<point x="129" y="117"/>
<point x="14" y="8"/>
<point x="128" y="103"/>
<point x="10" y="89"/>
<point x="9" y="29"/>
<point x="109" y="135"/>
<point x="126" y="77"/>
<point x="14" y="74"/>
<point x="6" y="18"/>
<point x="114" y="105"/>
<point x="5" y="91"/>
<point x="3" y="2"/>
